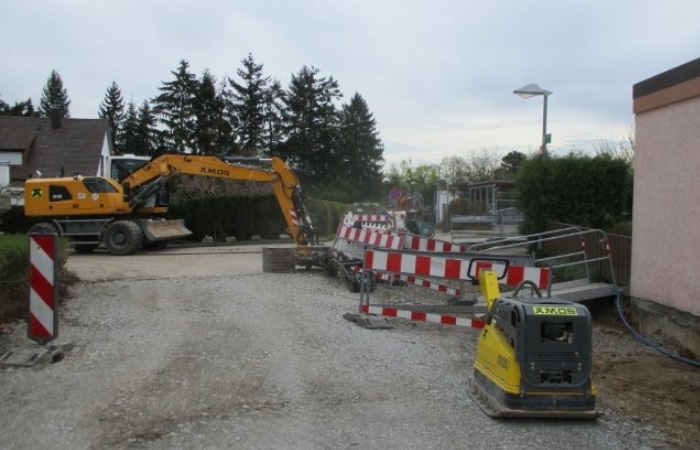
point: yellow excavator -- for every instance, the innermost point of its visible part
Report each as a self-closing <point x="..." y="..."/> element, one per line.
<point x="533" y="357"/>
<point x="93" y="211"/>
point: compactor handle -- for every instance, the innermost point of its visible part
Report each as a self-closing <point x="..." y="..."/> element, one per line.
<point x="475" y="277"/>
<point x="520" y="285"/>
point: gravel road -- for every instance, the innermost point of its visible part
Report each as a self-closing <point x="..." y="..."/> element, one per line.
<point x="202" y="350"/>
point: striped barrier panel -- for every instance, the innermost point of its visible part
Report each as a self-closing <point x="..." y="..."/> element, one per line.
<point x="449" y="268"/>
<point x="517" y="274"/>
<point x="439" y="287"/>
<point x="424" y="244"/>
<point x="43" y="288"/>
<point x="422" y="282"/>
<point x="351" y="241"/>
<point x="420" y="316"/>
<point x="370" y="237"/>
<point x="373" y="218"/>
<point x="376" y="226"/>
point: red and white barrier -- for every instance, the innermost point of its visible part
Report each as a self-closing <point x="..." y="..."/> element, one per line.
<point x="43" y="288"/>
<point x="517" y="274"/>
<point x="424" y="244"/>
<point x="439" y="287"/>
<point x="449" y="268"/>
<point x="420" y="316"/>
<point x="374" y="238"/>
<point x="374" y="218"/>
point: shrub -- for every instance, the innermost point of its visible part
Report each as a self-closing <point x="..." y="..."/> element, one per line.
<point x="14" y="276"/>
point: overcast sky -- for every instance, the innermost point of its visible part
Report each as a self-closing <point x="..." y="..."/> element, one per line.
<point x="438" y="76"/>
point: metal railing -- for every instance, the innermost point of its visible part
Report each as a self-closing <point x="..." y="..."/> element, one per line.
<point x="568" y="258"/>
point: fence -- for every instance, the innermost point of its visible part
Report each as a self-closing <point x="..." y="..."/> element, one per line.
<point x="620" y="251"/>
<point x="501" y="223"/>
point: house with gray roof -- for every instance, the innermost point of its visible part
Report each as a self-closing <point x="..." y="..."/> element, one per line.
<point x="52" y="147"/>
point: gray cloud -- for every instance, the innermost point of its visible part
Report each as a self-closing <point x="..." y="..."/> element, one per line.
<point x="438" y="76"/>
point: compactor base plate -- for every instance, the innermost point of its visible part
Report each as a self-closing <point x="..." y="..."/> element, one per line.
<point x="490" y="405"/>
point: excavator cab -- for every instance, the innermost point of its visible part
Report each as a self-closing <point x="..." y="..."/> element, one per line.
<point x="75" y="196"/>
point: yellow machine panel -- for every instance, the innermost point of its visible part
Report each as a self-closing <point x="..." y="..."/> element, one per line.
<point x="79" y="196"/>
<point x="533" y="357"/>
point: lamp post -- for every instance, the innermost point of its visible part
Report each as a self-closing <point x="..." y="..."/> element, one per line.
<point x="532" y="90"/>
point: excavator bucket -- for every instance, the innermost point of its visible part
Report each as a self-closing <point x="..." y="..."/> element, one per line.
<point x="161" y="230"/>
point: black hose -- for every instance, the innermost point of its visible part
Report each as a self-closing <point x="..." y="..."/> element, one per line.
<point x="646" y="341"/>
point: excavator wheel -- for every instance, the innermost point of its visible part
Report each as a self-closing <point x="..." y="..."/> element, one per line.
<point x="123" y="237"/>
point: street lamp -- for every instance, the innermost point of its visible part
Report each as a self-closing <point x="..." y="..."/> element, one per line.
<point x="531" y="90"/>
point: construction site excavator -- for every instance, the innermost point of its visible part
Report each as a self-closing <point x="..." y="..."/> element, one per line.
<point x="533" y="357"/>
<point x="124" y="217"/>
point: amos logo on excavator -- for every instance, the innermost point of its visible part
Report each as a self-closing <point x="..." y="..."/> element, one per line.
<point x="213" y="171"/>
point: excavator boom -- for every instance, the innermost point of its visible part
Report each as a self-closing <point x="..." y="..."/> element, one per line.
<point x="144" y="182"/>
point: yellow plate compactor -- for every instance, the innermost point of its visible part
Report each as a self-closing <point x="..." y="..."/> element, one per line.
<point x="533" y="357"/>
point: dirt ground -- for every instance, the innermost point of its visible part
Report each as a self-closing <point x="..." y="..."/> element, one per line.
<point x="638" y="382"/>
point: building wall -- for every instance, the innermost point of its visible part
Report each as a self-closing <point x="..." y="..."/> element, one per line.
<point x="666" y="227"/>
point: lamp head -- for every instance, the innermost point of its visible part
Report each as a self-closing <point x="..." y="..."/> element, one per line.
<point x="531" y="90"/>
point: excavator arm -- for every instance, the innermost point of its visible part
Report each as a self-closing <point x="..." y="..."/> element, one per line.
<point x="143" y="183"/>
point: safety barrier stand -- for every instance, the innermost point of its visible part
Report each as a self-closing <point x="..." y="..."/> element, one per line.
<point x="349" y="247"/>
<point x="424" y="269"/>
<point x="417" y="266"/>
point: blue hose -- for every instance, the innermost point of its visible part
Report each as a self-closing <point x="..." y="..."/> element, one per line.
<point x="646" y="341"/>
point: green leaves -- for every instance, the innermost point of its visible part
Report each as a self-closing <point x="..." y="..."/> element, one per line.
<point x="54" y="98"/>
<point x="588" y="191"/>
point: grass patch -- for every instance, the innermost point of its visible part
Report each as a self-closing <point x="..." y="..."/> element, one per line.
<point x="14" y="276"/>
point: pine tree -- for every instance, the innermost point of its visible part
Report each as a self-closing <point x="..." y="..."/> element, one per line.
<point x="130" y="131"/>
<point x="311" y="123"/>
<point x="248" y="106"/>
<point x="112" y="109"/>
<point x="360" y="151"/>
<point x="225" y="140"/>
<point x="147" y="134"/>
<point x="175" y="108"/>
<point x="273" y="113"/>
<point x="22" y="109"/>
<point x="209" y="109"/>
<point x="54" y="97"/>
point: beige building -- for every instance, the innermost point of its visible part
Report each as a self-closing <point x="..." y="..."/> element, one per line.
<point x="665" y="282"/>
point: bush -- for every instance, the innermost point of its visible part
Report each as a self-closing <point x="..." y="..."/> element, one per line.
<point x="326" y="215"/>
<point x="13" y="221"/>
<point x="246" y="216"/>
<point x="14" y="276"/>
<point x="593" y="192"/>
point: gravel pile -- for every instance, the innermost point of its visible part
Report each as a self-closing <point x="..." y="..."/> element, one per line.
<point x="259" y="361"/>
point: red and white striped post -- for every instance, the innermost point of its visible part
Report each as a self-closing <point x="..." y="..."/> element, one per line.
<point x="43" y="288"/>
